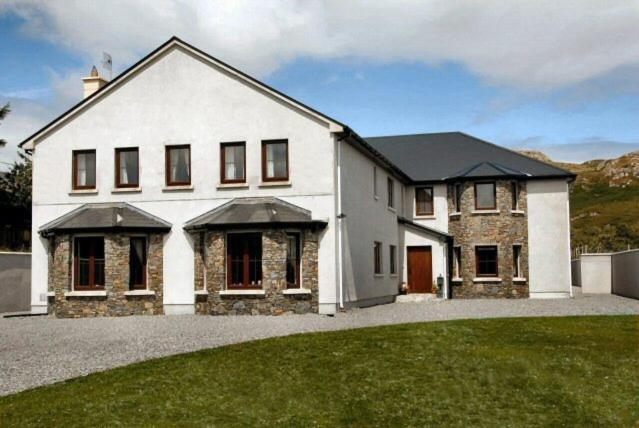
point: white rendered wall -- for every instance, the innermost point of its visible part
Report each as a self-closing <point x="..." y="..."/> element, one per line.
<point x="368" y="219"/>
<point x="439" y="219"/>
<point x="179" y="99"/>
<point x="548" y="238"/>
<point x="596" y="273"/>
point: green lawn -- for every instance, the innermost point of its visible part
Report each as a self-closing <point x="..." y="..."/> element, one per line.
<point x="578" y="371"/>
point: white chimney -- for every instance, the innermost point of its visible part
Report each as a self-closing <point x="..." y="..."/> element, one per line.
<point x="93" y="83"/>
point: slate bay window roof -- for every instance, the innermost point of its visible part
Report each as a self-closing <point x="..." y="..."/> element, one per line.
<point x="255" y="212"/>
<point x="455" y="155"/>
<point x="104" y="217"/>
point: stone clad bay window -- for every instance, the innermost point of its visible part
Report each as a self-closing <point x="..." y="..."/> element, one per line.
<point x="233" y="162"/>
<point x="293" y="260"/>
<point x="486" y="260"/>
<point x="275" y="160"/>
<point x="485" y="196"/>
<point x="178" y="165"/>
<point x="137" y="263"/>
<point x="424" y="201"/>
<point x="127" y="167"/>
<point x="244" y="261"/>
<point x="88" y="263"/>
<point x="83" y="169"/>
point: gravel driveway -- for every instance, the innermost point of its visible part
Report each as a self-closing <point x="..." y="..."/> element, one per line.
<point x="41" y="350"/>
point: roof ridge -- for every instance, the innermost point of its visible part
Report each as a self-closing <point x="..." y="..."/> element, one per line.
<point x="413" y="135"/>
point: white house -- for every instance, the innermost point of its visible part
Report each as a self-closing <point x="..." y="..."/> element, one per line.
<point x="185" y="186"/>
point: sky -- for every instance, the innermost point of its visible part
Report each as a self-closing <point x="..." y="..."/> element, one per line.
<point x="560" y="77"/>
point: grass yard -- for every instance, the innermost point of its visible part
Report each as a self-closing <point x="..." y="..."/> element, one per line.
<point x="578" y="371"/>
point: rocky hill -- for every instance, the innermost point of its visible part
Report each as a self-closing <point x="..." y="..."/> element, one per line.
<point x="604" y="202"/>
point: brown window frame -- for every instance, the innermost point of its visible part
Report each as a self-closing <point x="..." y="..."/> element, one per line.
<point x="92" y="265"/>
<point x="265" y="178"/>
<point x="515" y="189"/>
<point x="478" y="249"/>
<point x="223" y="146"/>
<point x="377" y="258"/>
<point x="298" y="278"/>
<point x="392" y="253"/>
<point x="142" y="286"/>
<point x="74" y="168"/>
<point x="432" y="201"/>
<point x="118" y="183"/>
<point x="457" y="191"/>
<point x="167" y="165"/>
<point x="245" y="264"/>
<point x="390" y="192"/>
<point x="517" y="261"/>
<point x="494" y="206"/>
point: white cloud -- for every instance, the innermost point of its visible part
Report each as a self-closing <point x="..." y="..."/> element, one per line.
<point x="529" y="44"/>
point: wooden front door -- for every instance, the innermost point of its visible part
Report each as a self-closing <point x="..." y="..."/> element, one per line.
<point x="420" y="270"/>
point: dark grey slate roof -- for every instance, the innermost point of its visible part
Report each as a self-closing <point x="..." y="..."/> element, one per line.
<point x="105" y="217"/>
<point x="449" y="155"/>
<point x="254" y="212"/>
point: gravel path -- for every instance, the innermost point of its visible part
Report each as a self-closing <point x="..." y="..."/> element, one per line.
<point x="41" y="350"/>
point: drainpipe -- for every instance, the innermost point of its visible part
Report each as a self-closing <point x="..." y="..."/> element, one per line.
<point x="340" y="216"/>
<point x="568" y="217"/>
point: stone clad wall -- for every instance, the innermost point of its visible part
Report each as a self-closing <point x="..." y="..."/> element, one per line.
<point x="503" y="229"/>
<point x="116" y="277"/>
<point x="210" y="265"/>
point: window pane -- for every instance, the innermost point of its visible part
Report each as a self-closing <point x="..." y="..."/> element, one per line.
<point x="179" y="165"/>
<point x="244" y="260"/>
<point x="424" y="200"/>
<point x="128" y="160"/>
<point x="391" y="192"/>
<point x="292" y="259"/>
<point x="393" y="259"/>
<point x="515" y="195"/>
<point x="485" y="195"/>
<point x="89" y="259"/>
<point x="137" y="263"/>
<point x="276" y="162"/>
<point x="486" y="261"/>
<point x="85" y="169"/>
<point x="377" y="254"/>
<point x="234" y="162"/>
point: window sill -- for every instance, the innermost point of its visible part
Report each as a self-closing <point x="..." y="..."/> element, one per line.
<point x="139" y="293"/>
<point x="92" y="293"/>
<point x="487" y="279"/>
<point x="457" y="280"/>
<point x="484" y="212"/>
<point x="275" y="184"/>
<point x="296" y="291"/>
<point x="425" y="217"/>
<point x="50" y="293"/>
<point x="127" y="190"/>
<point x="223" y="186"/>
<point x="378" y="275"/>
<point x="454" y="214"/>
<point x="376" y="197"/>
<point x="393" y="275"/>
<point x="242" y="293"/>
<point x="519" y="279"/>
<point x="391" y="209"/>
<point x="178" y="188"/>
<point x="517" y="212"/>
<point x="201" y="292"/>
<point x="83" y="192"/>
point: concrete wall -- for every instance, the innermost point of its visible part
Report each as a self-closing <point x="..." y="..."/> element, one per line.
<point x="596" y="274"/>
<point x="180" y="99"/>
<point x="625" y="274"/>
<point x="15" y="282"/>
<point x="548" y="238"/>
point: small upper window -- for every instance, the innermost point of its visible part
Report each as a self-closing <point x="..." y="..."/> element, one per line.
<point x="275" y="160"/>
<point x="377" y="257"/>
<point x="84" y="169"/>
<point x="393" y="259"/>
<point x="485" y="197"/>
<point x="486" y="260"/>
<point x="515" y="195"/>
<point x="233" y="162"/>
<point x="457" y="191"/>
<point x="391" y="192"/>
<point x="424" y="201"/>
<point x="178" y="165"/>
<point x="127" y="167"/>
<point x="375" y="194"/>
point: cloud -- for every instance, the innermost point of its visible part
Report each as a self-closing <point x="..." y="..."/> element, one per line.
<point x="577" y="151"/>
<point x="525" y="44"/>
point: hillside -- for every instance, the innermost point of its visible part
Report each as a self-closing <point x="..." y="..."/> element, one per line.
<point x="604" y="202"/>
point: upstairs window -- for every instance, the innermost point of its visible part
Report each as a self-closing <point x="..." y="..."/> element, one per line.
<point x="517" y="261"/>
<point x="127" y="167"/>
<point x="393" y="259"/>
<point x="457" y="191"/>
<point x="275" y="160"/>
<point x="375" y="194"/>
<point x="137" y="263"/>
<point x="485" y="196"/>
<point x="424" y="201"/>
<point x="486" y="260"/>
<point x="391" y="192"/>
<point x="293" y="260"/>
<point x="515" y="195"/>
<point x="377" y="258"/>
<point x="178" y="165"/>
<point x="233" y="162"/>
<point x="84" y="169"/>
